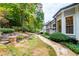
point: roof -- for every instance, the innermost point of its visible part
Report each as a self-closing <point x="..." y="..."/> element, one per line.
<point x="65" y="8"/>
<point x="61" y="10"/>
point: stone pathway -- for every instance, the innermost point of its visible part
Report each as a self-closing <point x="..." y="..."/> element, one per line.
<point x="60" y="49"/>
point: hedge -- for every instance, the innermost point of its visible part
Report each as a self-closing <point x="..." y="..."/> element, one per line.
<point x="59" y="37"/>
<point x="6" y="30"/>
<point x="73" y="47"/>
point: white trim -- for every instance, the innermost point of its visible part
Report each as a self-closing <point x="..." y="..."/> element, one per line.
<point x="63" y="23"/>
<point x="77" y="22"/>
<point x="70" y="34"/>
<point x="74" y="20"/>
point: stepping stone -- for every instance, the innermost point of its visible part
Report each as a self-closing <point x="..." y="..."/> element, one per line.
<point x="4" y="42"/>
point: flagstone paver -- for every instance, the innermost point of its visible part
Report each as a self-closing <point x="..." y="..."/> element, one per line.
<point x="60" y="49"/>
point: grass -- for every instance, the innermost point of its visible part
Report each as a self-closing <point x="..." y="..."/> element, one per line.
<point x="73" y="47"/>
<point x="31" y="47"/>
<point x="37" y="47"/>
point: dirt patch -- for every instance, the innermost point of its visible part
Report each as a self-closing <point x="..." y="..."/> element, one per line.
<point x="40" y="51"/>
<point x="32" y="46"/>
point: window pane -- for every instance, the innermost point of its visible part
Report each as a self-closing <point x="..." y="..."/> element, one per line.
<point x="69" y="25"/>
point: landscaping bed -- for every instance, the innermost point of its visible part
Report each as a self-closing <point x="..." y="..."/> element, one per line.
<point x="73" y="47"/>
<point x="63" y="39"/>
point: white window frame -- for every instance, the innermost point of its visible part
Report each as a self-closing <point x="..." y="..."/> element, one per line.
<point x="73" y="24"/>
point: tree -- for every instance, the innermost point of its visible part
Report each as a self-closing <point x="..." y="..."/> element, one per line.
<point x="3" y="21"/>
<point x="23" y="15"/>
<point x="40" y="19"/>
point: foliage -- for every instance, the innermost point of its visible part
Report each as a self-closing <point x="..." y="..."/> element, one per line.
<point x="4" y="23"/>
<point x="10" y="13"/>
<point x="73" y="40"/>
<point x="73" y="47"/>
<point x="69" y="42"/>
<point x="39" y="22"/>
<point x="23" y="29"/>
<point x="17" y="28"/>
<point x="6" y="30"/>
<point x="59" y="37"/>
<point x="23" y="15"/>
<point x="20" y="37"/>
<point x="46" y="34"/>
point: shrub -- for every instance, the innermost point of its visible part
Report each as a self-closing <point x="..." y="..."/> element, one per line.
<point x="58" y="37"/>
<point x="73" y="47"/>
<point x="73" y="40"/>
<point x="6" y="30"/>
<point x="24" y="29"/>
<point x="46" y="33"/>
<point x="46" y="36"/>
<point x="17" y="28"/>
<point x="20" y="37"/>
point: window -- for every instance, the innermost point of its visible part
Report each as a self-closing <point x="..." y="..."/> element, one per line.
<point x="69" y="25"/>
<point x="54" y="25"/>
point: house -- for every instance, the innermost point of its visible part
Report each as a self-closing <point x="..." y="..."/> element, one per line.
<point x="67" y="20"/>
<point x="51" y="27"/>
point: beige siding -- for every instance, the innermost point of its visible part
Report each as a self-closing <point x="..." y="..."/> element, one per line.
<point x="69" y="12"/>
<point x="78" y="8"/>
<point x="59" y="17"/>
<point x="50" y="27"/>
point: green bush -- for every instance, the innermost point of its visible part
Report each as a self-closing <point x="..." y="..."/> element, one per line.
<point x="17" y="28"/>
<point x="24" y="29"/>
<point x="73" y="47"/>
<point x="46" y="33"/>
<point x="6" y="30"/>
<point x="59" y="37"/>
<point x="20" y="37"/>
<point x="46" y="36"/>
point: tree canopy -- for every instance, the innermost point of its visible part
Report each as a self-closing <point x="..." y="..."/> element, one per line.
<point x="22" y="15"/>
